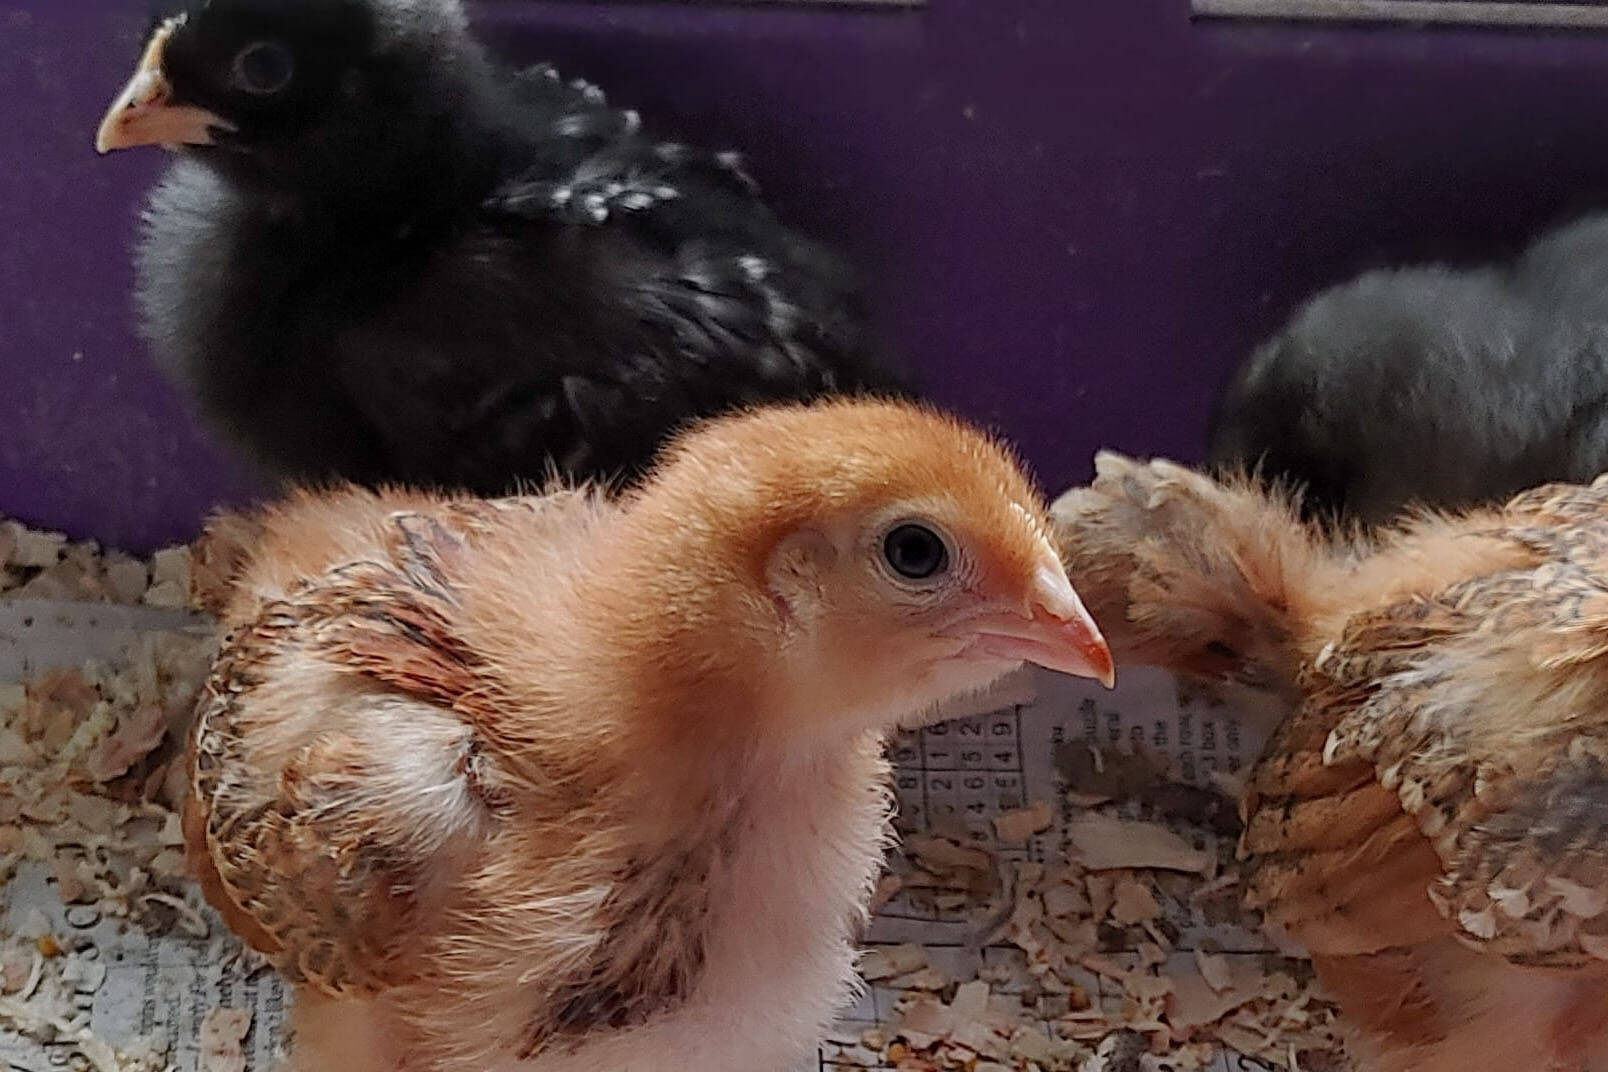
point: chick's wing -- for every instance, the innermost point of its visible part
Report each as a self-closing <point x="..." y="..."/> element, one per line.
<point x="1445" y="774"/>
<point x="358" y="816"/>
<point x="337" y="777"/>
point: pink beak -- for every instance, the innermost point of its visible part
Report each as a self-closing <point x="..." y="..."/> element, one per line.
<point x="144" y="112"/>
<point x="1056" y="631"/>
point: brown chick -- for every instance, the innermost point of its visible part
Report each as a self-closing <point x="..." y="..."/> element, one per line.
<point x="561" y="784"/>
<point x="1431" y="820"/>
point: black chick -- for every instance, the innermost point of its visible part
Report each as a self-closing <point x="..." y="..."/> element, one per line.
<point x="382" y="258"/>
<point x="1433" y="386"/>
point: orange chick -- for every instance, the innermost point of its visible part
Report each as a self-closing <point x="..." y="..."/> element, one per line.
<point x="563" y="784"/>
<point x="1431" y="819"/>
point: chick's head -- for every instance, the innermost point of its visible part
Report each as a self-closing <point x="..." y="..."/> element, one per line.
<point x="896" y="556"/>
<point x="291" y="92"/>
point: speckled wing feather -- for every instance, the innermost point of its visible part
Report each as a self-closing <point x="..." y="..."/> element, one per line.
<point x="727" y="308"/>
<point x="314" y="862"/>
<point x="322" y="846"/>
<point x="1446" y="771"/>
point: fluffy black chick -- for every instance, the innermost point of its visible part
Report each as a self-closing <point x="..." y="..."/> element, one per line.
<point x="1434" y="386"/>
<point x="380" y="257"/>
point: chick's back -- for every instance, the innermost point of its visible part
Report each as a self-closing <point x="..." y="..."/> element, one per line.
<point x="1433" y="386"/>
<point x="1426" y="820"/>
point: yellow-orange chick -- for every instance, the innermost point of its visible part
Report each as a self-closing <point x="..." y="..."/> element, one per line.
<point x="1431" y="819"/>
<point x="563" y="784"/>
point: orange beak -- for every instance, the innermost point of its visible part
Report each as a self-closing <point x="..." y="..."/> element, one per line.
<point x="144" y="112"/>
<point x="1055" y="631"/>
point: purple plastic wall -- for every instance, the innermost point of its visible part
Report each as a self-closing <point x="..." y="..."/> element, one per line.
<point x="1079" y="214"/>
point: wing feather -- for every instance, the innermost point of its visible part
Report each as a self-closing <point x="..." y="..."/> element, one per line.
<point x="1450" y="753"/>
<point x="354" y="816"/>
<point x="357" y="800"/>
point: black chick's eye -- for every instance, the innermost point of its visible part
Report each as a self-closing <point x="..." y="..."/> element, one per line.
<point x="263" y="68"/>
<point x="915" y="552"/>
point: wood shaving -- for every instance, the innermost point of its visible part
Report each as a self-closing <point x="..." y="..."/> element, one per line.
<point x="1104" y="842"/>
<point x="1132" y="902"/>
<point x="1015" y="827"/>
<point x="44" y="1009"/>
<point x="30" y="549"/>
<point x="888" y="887"/>
<point x="885" y="962"/>
<point x="950" y="865"/>
<point x="223" y="1033"/>
<point x="1195" y="1000"/>
<point x="1217" y="971"/>
<point x="46" y="565"/>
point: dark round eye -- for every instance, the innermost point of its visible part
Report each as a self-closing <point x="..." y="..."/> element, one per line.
<point x="915" y="552"/>
<point x="264" y="67"/>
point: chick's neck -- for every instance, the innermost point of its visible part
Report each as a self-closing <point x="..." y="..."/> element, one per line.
<point x="677" y="598"/>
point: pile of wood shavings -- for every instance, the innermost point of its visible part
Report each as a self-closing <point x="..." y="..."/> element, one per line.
<point x="45" y="565"/>
<point x="90" y="789"/>
<point x="45" y="995"/>
<point x="1096" y="981"/>
<point x="89" y="786"/>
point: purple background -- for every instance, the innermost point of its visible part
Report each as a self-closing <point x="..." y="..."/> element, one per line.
<point x="1079" y="214"/>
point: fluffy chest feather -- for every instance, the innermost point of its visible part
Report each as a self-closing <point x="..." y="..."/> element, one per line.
<point x="784" y="912"/>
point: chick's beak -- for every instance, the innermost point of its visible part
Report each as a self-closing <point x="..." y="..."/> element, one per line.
<point x="1056" y="631"/>
<point x="144" y="113"/>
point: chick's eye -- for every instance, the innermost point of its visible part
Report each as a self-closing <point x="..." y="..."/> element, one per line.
<point x="263" y="67"/>
<point x="915" y="552"/>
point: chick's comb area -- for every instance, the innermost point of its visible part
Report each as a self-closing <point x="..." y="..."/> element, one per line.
<point x="848" y="453"/>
